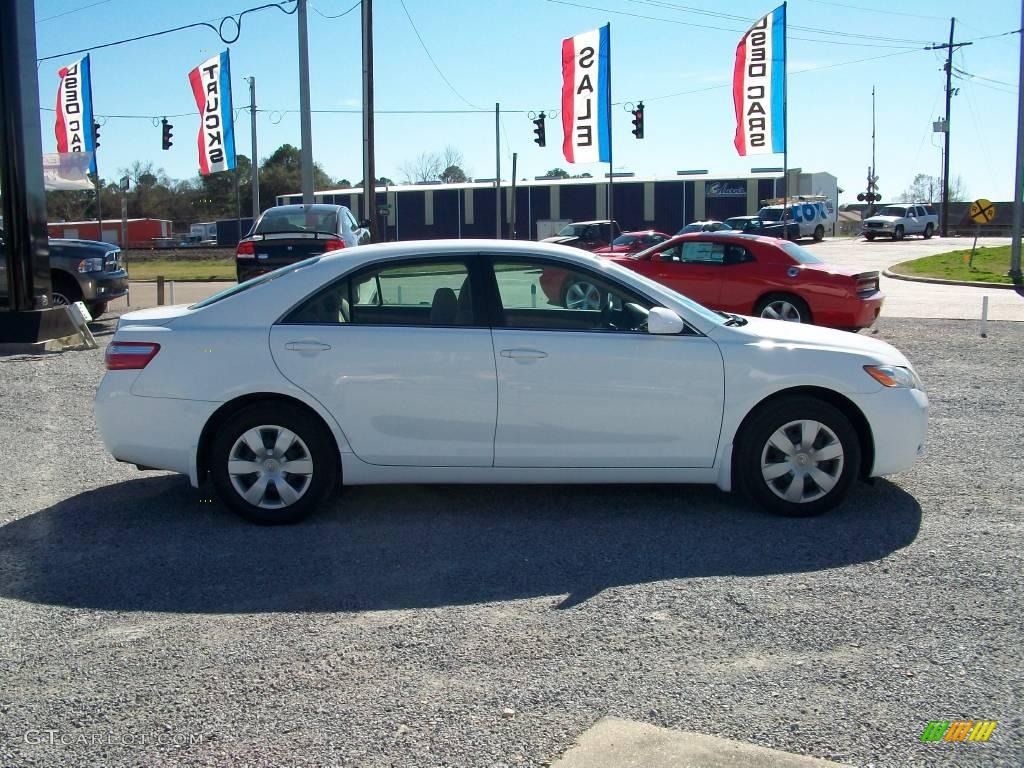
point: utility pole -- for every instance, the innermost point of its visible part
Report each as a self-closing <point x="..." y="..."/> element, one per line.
<point x="306" y="123"/>
<point x="369" y="170"/>
<point x="512" y="202"/>
<point x="1015" y="273"/>
<point x="255" y="153"/>
<point x="949" y="48"/>
<point x="497" y="170"/>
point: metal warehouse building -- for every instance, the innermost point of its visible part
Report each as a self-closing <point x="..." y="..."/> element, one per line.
<point x="425" y="211"/>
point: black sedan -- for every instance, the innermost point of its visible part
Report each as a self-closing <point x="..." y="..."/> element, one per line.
<point x="289" y="233"/>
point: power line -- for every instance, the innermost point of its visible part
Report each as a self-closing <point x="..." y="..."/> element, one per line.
<point x="236" y="19"/>
<point x="337" y="15"/>
<point x="427" y="51"/>
<point x="878" y="10"/>
<point x="73" y="10"/>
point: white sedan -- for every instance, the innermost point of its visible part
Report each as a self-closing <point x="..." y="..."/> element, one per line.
<point x="446" y="362"/>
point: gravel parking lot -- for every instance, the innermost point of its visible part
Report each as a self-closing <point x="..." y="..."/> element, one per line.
<point x="143" y="624"/>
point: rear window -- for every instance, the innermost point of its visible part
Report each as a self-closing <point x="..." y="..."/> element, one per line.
<point x="276" y="221"/>
<point x="625" y="240"/>
<point x="256" y="281"/>
<point x="801" y="255"/>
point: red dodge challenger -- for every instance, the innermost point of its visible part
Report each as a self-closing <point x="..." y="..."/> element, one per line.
<point x="747" y="275"/>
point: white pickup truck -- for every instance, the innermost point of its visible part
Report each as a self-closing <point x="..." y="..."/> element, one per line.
<point x="898" y="221"/>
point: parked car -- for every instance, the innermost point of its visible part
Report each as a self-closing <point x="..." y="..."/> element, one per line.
<point x="633" y="242"/>
<point x="761" y="276"/>
<point x="711" y="225"/>
<point x="440" y="362"/>
<point x="287" y="234"/>
<point x="80" y="270"/>
<point x="587" y="235"/>
<point x="898" y="221"/>
<point x="752" y="225"/>
<point x="813" y="216"/>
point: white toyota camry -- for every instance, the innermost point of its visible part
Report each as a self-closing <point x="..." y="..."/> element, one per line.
<point x="471" y="362"/>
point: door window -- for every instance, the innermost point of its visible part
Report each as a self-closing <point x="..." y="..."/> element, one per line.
<point x="698" y="252"/>
<point x="539" y="295"/>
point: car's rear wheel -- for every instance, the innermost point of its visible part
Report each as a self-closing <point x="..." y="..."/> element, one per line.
<point x="783" y="306"/>
<point x="580" y="294"/>
<point x="869" y="237"/>
<point x="897" y="234"/>
<point x="273" y="463"/>
<point x="928" y="230"/>
<point x="798" y="456"/>
<point x="819" y="233"/>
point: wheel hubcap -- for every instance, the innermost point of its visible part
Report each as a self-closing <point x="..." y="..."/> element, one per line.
<point x="270" y="467"/>
<point x="582" y="296"/>
<point x="782" y="310"/>
<point x="802" y="461"/>
<point x="59" y="300"/>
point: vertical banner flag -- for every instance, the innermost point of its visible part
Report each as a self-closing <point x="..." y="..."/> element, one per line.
<point x="74" y="110"/>
<point x="759" y="86"/>
<point x="211" y="85"/>
<point x="585" y="107"/>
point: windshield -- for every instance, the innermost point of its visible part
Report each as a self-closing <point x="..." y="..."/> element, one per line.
<point x="739" y="223"/>
<point x="800" y="254"/>
<point x="298" y="220"/>
<point x="770" y="214"/>
<point x="571" y="230"/>
<point x="691" y="228"/>
<point x="261" y="280"/>
<point x="893" y="210"/>
<point x="625" y="240"/>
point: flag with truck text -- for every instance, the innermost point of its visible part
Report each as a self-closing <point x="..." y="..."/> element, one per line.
<point x="586" y="137"/>
<point x="211" y="86"/>
<point x="759" y="86"/>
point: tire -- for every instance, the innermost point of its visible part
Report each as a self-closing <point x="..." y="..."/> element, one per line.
<point x="869" y="237"/>
<point x="97" y="309"/>
<point x="783" y="306"/>
<point x="819" y="233"/>
<point x="249" y="438"/>
<point x="897" y="234"/>
<point x="65" y="290"/>
<point x="581" y="294"/>
<point x="776" y="470"/>
<point x="928" y="230"/>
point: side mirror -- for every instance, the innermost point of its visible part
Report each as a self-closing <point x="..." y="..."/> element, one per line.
<point x="663" y="321"/>
<point x="365" y="224"/>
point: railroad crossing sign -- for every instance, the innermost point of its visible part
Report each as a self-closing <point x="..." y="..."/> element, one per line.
<point x="982" y="211"/>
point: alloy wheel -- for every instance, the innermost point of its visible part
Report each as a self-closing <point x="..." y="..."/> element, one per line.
<point x="270" y="467"/>
<point x="582" y="295"/>
<point x="802" y="461"/>
<point x="780" y="309"/>
<point x="58" y="299"/>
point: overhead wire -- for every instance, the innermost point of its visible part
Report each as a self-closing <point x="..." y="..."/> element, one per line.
<point x="73" y="10"/>
<point x="434" y="63"/>
<point x="336" y="15"/>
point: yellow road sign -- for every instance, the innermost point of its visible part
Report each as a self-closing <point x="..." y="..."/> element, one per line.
<point x="982" y="211"/>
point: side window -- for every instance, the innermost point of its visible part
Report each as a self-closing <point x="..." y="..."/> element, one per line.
<point x="351" y="219"/>
<point x="736" y="254"/>
<point x="543" y="296"/>
<point x="328" y="306"/>
<point x="413" y="293"/>
<point x="703" y="253"/>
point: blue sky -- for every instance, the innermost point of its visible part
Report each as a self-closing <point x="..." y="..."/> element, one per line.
<point x="509" y="51"/>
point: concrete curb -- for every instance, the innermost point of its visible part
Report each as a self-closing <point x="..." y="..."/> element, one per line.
<point x="940" y="281"/>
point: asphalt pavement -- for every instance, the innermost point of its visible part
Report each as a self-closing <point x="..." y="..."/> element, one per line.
<point x="141" y="623"/>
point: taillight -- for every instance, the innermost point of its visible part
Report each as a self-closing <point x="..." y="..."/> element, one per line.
<point x="245" y="250"/>
<point x="333" y="245"/>
<point x="130" y="355"/>
<point x="867" y="283"/>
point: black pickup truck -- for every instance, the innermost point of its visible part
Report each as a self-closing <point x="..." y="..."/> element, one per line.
<point x="80" y="270"/>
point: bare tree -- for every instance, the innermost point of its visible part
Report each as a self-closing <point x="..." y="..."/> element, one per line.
<point x="427" y="167"/>
<point x="925" y="188"/>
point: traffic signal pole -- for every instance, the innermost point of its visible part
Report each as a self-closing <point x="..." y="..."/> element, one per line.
<point x="1015" y="272"/>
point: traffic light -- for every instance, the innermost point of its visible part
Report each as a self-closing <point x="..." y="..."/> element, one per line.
<point x="870" y="197"/>
<point x="638" y="120"/>
<point x="166" y="134"/>
<point x="540" y="130"/>
<point x="95" y="135"/>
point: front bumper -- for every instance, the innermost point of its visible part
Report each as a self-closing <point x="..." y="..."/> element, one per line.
<point x="103" y="286"/>
<point x="899" y="423"/>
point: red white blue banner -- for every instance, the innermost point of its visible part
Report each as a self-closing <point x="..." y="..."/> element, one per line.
<point x="211" y="85"/>
<point x="73" y="126"/>
<point x="585" y="97"/>
<point x="759" y="86"/>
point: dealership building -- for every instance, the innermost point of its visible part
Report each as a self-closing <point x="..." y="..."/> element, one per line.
<point x="541" y="206"/>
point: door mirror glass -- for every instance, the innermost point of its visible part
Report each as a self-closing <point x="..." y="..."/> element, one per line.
<point x="364" y="224"/>
<point x="663" y="321"/>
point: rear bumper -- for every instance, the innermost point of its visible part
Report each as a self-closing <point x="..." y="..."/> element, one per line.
<point x="851" y="313"/>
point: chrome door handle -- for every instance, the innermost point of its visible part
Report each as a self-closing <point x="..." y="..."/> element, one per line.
<point x="524" y="354"/>
<point x="307" y="346"/>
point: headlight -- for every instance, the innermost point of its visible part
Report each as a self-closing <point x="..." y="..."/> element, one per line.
<point x="91" y="265"/>
<point x="894" y="376"/>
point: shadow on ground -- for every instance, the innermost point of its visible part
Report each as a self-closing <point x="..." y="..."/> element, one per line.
<point x="155" y="544"/>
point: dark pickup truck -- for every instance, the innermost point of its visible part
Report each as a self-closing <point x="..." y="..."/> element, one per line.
<point x="80" y="270"/>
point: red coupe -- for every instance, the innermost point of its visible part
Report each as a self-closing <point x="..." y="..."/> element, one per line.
<point x="747" y="275"/>
<point x="632" y="242"/>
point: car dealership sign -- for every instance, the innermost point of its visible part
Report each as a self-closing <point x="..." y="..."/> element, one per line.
<point x="726" y="189"/>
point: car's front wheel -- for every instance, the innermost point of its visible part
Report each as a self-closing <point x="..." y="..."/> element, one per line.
<point x="273" y="463"/>
<point x="869" y="237"/>
<point x="897" y="234"/>
<point x="798" y="456"/>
